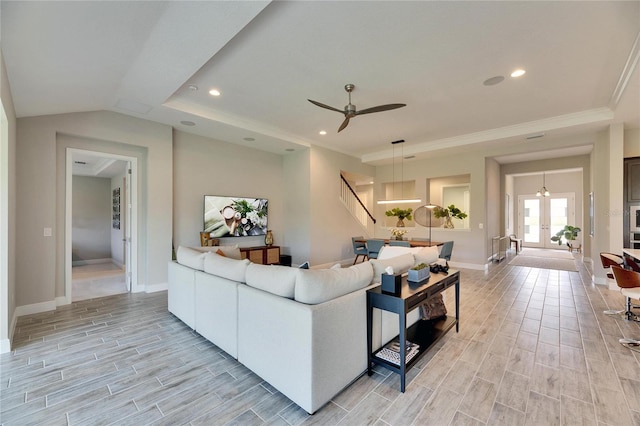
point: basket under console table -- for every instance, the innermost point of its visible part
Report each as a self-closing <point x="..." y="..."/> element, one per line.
<point x="425" y="333"/>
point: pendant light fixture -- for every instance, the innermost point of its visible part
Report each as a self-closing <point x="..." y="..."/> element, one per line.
<point x="543" y="192"/>
<point x="401" y="199"/>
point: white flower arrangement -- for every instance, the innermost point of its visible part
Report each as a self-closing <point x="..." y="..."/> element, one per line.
<point x="398" y="233"/>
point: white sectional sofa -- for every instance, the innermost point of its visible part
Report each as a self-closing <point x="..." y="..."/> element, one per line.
<point x="301" y="330"/>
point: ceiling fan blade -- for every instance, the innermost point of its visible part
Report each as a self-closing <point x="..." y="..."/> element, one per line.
<point x="321" y="105"/>
<point x="380" y="108"/>
<point x="344" y="124"/>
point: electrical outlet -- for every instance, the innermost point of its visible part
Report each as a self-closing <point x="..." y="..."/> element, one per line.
<point x="481" y="225"/>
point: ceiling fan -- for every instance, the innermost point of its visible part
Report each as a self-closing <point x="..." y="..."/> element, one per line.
<point x="350" y="109"/>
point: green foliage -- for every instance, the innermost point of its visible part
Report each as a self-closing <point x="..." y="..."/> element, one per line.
<point x="451" y="211"/>
<point x="569" y="233"/>
<point x="420" y="266"/>
<point x="400" y="213"/>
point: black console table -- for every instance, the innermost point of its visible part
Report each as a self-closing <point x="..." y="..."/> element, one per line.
<point x="424" y="332"/>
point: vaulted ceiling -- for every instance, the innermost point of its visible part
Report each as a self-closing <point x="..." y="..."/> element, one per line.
<point x="158" y="60"/>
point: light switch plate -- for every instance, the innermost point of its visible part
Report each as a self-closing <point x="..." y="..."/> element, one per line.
<point x="47" y="232"/>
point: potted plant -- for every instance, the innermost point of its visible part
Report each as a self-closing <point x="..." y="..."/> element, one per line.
<point x="569" y="234"/>
<point x="418" y="273"/>
<point x="448" y="213"/>
<point x="401" y="214"/>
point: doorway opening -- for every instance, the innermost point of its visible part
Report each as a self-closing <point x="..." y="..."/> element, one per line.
<point x="542" y="217"/>
<point x="100" y="224"/>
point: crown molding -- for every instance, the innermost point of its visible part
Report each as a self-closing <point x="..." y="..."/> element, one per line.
<point x="627" y="72"/>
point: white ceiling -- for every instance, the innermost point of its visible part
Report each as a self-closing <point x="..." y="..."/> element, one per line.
<point x="268" y="58"/>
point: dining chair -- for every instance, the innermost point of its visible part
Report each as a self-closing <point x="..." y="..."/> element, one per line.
<point x="400" y="243"/>
<point x="629" y="283"/>
<point x="610" y="259"/>
<point x="373" y="248"/>
<point x="359" y="249"/>
<point x="447" y="249"/>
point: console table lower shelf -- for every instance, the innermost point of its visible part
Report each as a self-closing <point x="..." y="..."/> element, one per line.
<point x="417" y="338"/>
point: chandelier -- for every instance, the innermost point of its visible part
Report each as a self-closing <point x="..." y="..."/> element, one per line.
<point x="543" y="192"/>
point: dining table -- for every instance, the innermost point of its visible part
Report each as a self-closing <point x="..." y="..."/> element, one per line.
<point x="412" y="243"/>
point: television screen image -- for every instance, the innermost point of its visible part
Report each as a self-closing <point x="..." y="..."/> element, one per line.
<point x="235" y="216"/>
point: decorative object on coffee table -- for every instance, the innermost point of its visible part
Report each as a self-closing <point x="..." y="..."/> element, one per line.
<point x="418" y="273"/>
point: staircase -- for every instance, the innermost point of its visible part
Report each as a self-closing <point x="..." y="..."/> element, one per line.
<point x="356" y="208"/>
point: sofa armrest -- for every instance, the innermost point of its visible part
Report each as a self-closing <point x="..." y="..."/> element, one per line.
<point x="181" y="293"/>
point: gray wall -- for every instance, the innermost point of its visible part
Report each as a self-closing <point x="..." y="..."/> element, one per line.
<point x="91" y="219"/>
<point x="41" y="200"/>
<point x="204" y="166"/>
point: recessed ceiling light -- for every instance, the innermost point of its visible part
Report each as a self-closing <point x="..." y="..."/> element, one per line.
<point x="187" y="123"/>
<point x="249" y="139"/>
<point x="214" y="92"/>
<point x="518" y="73"/>
<point x="493" y="80"/>
<point x="322" y="132"/>
<point x="193" y="87"/>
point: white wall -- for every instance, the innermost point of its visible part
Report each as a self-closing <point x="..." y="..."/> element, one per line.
<point x="297" y="183"/>
<point x="632" y="143"/>
<point x="91" y="219"/>
<point x="41" y="200"/>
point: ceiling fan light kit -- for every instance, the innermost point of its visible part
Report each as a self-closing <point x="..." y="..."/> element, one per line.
<point x="350" y="110"/>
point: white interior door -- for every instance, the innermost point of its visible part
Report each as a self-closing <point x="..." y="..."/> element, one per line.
<point x="539" y="218"/>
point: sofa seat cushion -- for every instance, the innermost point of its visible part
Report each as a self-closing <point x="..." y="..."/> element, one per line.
<point x="400" y="265"/>
<point x="315" y="286"/>
<point x="189" y="257"/>
<point x="226" y="267"/>
<point x="275" y="279"/>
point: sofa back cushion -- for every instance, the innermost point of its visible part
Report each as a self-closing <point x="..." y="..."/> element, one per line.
<point x="387" y="252"/>
<point x="426" y="255"/>
<point x="275" y="279"/>
<point x="231" y="251"/>
<point x="400" y="265"/>
<point x="226" y="267"/>
<point x="315" y="286"/>
<point x="190" y="257"/>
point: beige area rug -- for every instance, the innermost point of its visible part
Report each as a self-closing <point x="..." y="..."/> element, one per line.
<point x="545" y="259"/>
<point x="551" y="253"/>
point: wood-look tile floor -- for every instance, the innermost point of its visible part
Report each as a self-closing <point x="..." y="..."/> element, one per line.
<point x="534" y="348"/>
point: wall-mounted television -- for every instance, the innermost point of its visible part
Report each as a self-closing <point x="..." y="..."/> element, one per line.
<point x="235" y="216"/>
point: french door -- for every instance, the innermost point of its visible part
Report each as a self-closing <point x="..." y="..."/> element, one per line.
<point x="540" y="218"/>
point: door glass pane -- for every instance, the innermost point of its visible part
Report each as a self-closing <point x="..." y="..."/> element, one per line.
<point x="531" y="221"/>
<point x="558" y="215"/>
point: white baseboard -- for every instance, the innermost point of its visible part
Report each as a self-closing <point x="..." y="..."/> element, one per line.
<point x="92" y="261"/>
<point x="62" y="300"/>
<point x="152" y="288"/>
<point x="5" y="346"/>
<point x="35" y="308"/>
